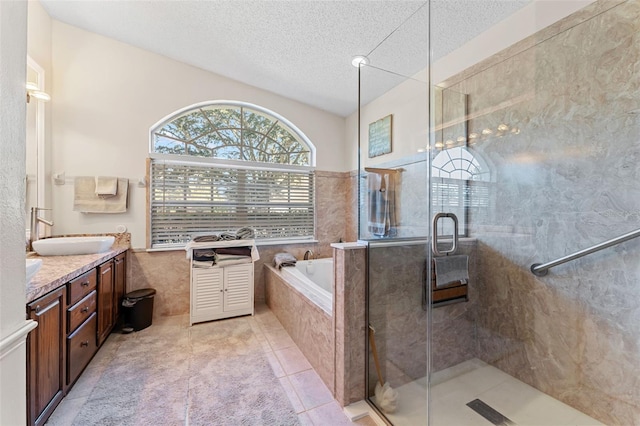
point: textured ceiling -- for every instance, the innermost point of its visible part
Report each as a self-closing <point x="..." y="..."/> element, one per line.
<point x="298" y="49"/>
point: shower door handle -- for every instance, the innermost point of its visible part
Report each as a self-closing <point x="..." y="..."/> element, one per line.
<point x="434" y="236"/>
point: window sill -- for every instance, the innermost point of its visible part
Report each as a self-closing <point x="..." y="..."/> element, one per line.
<point x="259" y="243"/>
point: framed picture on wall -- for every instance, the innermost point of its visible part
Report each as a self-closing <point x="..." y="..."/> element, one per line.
<point x="380" y="136"/>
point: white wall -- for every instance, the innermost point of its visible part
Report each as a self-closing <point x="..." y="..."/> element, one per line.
<point x="408" y="103"/>
<point x="13" y="327"/>
<point x="39" y="49"/>
<point x="106" y="96"/>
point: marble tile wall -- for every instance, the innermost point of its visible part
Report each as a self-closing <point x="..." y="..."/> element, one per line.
<point x="349" y="317"/>
<point x="335" y="210"/>
<point x="564" y="179"/>
<point x="395" y="311"/>
<point x="168" y="273"/>
<point x="453" y="327"/>
<point x="396" y="281"/>
<point x="311" y="328"/>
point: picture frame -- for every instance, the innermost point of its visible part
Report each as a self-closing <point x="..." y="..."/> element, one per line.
<point x="380" y="136"/>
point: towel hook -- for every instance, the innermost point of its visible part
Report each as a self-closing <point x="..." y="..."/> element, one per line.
<point x="434" y="237"/>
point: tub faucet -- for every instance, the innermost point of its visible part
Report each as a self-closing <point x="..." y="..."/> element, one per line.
<point x="34" y="231"/>
<point x="308" y="254"/>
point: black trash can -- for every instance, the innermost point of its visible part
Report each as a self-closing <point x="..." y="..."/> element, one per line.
<point x="138" y="308"/>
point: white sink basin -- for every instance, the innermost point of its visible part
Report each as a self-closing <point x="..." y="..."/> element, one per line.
<point x="33" y="266"/>
<point x="72" y="245"/>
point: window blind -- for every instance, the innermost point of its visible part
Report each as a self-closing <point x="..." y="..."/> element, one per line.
<point x="186" y="199"/>
<point x="458" y="196"/>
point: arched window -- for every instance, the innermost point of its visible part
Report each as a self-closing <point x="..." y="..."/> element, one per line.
<point x="459" y="163"/>
<point x="232" y="131"/>
<point x="459" y="182"/>
<point x="219" y="166"/>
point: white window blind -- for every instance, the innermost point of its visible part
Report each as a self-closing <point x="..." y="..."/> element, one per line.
<point x="187" y="199"/>
<point x="459" y="197"/>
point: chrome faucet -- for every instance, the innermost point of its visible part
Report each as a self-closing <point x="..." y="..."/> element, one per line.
<point x="34" y="231"/>
<point x="307" y="254"/>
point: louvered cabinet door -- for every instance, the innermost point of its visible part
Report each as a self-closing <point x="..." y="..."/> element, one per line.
<point x="206" y="293"/>
<point x="238" y="287"/>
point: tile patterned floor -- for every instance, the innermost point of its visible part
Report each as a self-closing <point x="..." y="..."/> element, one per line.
<point x="309" y="397"/>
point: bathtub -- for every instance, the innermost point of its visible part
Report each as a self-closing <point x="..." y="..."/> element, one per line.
<point x="314" y="279"/>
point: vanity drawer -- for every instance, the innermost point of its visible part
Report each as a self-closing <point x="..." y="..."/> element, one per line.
<point x="82" y="310"/>
<point x="81" y="286"/>
<point x="81" y="346"/>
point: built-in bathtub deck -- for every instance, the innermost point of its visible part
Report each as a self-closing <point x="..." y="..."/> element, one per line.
<point x="333" y="344"/>
<point x="308" y="325"/>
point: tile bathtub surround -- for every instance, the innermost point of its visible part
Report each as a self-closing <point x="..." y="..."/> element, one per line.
<point x="310" y="327"/>
<point x="221" y="372"/>
<point x="349" y="322"/>
<point x="335" y="210"/>
<point x="566" y="181"/>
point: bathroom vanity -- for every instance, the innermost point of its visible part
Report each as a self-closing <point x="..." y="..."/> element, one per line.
<point x="76" y="302"/>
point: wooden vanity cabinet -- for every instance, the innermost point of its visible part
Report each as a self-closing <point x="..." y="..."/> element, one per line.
<point x="120" y="284"/>
<point x="46" y="357"/>
<point x="106" y="293"/>
<point x="73" y="321"/>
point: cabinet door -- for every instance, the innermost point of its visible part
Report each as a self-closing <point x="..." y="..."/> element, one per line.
<point x="120" y="283"/>
<point x="238" y="287"/>
<point x="206" y="293"/>
<point x="46" y="356"/>
<point x="105" y="300"/>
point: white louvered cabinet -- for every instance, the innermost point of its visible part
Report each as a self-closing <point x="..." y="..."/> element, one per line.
<point x="221" y="292"/>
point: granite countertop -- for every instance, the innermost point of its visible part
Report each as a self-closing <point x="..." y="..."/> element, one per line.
<point x="56" y="271"/>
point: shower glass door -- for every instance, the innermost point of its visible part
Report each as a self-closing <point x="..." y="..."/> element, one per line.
<point x="394" y="217"/>
<point x="543" y="163"/>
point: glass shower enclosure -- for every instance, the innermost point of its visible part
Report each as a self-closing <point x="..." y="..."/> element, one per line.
<point x="522" y="120"/>
<point x="394" y="217"/>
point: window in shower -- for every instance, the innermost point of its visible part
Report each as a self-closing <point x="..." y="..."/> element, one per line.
<point x="459" y="184"/>
<point x="220" y="166"/>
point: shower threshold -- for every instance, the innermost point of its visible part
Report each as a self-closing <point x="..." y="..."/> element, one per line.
<point x="457" y="386"/>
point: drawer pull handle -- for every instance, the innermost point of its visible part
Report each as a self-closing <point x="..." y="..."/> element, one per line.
<point x="37" y="309"/>
<point x="85" y="284"/>
<point x="84" y="310"/>
<point x="84" y="344"/>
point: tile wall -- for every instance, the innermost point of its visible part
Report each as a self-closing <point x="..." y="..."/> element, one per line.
<point x="565" y="179"/>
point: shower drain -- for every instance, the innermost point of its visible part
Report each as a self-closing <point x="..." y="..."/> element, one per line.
<point x="489" y="413"/>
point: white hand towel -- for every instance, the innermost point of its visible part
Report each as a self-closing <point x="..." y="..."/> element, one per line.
<point x="85" y="199"/>
<point x="106" y="186"/>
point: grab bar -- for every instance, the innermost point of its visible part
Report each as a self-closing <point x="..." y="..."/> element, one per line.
<point x="434" y="238"/>
<point x="541" y="269"/>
